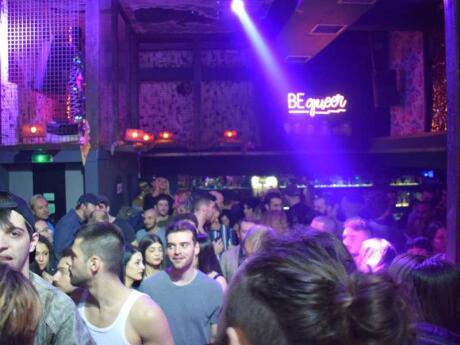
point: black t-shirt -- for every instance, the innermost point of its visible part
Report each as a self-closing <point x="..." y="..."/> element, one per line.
<point x="126" y="228"/>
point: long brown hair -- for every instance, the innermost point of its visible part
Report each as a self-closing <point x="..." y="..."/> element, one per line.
<point x="20" y="308"/>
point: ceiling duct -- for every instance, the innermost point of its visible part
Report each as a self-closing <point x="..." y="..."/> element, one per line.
<point x="328" y="29"/>
<point x="297" y="59"/>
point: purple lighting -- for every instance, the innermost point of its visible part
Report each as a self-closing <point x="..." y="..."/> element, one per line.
<point x="238" y="6"/>
<point x="261" y="48"/>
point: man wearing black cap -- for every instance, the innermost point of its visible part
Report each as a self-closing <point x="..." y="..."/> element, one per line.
<point x="74" y="219"/>
<point x="125" y="227"/>
<point x="60" y="323"/>
<point x="299" y="212"/>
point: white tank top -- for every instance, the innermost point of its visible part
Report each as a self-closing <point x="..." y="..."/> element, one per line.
<point x="115" y="333"/>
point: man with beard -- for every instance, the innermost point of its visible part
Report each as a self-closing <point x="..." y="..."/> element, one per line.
<point x="60" y="323"/>
<point x="163" y="204"/>
<point x="190" y="299"/>
<point x="114" y="314"/>
<point x="69" y="224"/>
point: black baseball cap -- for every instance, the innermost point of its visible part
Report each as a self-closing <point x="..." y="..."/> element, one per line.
<point x="103" y="200"/>
<point x="292" y="190"/>
<point x="88" y="198"/>
<point x="11" y="201"/>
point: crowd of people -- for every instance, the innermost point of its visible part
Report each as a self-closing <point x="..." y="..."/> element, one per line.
<point x="288" y="267"/>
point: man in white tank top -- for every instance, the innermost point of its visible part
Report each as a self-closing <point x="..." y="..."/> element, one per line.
<point x="114" y="314"/>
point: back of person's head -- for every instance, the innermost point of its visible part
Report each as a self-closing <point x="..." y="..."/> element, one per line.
<point x="436" y="285"/>
<point x="19" y="306"/>
<point x="402" y="266"/>
<point x="324" y="223"/>
<point x="375" y="255"/>
<point x="188" y="217"/>
<point x="256" y="237"/>
<point x="432" y="228"/>
<point x="294" y="293"/>
<point x="332" y="245"/>
<point x="419" y="246"/>
<point x="202" y="200"/>
<point x="104" y="240"/>
<point x="180" y="226"/>
<point x="357" y="224"/>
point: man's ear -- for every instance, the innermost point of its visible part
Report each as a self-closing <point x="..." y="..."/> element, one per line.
<point x="33" y="242"/>
<point x="236" y="336"/>
<point x="94" y="263"/>
<point x="197" y="248"/>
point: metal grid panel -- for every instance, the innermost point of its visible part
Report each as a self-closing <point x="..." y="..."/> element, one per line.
<point x="45" y="69"/>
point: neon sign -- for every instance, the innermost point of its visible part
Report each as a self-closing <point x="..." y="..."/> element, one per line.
<point x="298" y="105"/>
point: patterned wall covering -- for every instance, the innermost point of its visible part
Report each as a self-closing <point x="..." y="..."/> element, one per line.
<point x="165" y="59"/>
<point x="224" y="104"/>
<point x="227" y="105"/>
<point x="123" y="70"/>
<point x="224" y="58"/>
<point x="161" y="107"/>
<point x="407" y="58"/>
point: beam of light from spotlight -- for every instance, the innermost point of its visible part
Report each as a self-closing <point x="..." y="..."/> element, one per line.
<point x="261" y="48"/>
<point x="238" y="7"/>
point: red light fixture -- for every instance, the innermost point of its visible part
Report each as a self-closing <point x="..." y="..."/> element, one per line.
<point x="132" y="134"/>
<point x="230" y="134"/>
<point x="33" y="131"/>
<point x="148" y="137"/>
<point x="166" y="136"/>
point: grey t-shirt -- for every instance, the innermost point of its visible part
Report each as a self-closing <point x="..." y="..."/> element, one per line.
<point x="160" y="233"/>
<point x="190" y="309"/>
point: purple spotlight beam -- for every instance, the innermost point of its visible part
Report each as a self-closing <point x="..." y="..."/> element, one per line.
<point x="268" y="61"/>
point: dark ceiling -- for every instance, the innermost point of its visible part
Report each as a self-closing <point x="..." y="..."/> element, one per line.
<point x="300" y="29"/>
<point x="187" y="16"/>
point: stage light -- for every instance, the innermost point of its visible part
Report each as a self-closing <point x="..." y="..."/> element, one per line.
<point x="230" y="134"/>
<point x="148" y="137"/>
<point x="238" y="7"/>
<point x="165" y="135"/>
<point x="132" y="134"/>
<point x="33" y="131"/>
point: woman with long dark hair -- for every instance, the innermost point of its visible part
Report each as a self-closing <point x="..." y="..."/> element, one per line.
<point x="152" y="250"/>
<point x="432" y="287"/>
<point x="45" y="261"/>
<point x="133" y="267"/>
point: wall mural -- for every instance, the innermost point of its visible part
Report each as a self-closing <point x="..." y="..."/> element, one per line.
<point x="407" y="58"/>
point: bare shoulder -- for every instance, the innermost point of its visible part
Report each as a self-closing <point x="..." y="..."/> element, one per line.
<point x="150" y="323"/>
<point x="145" y="310"/>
